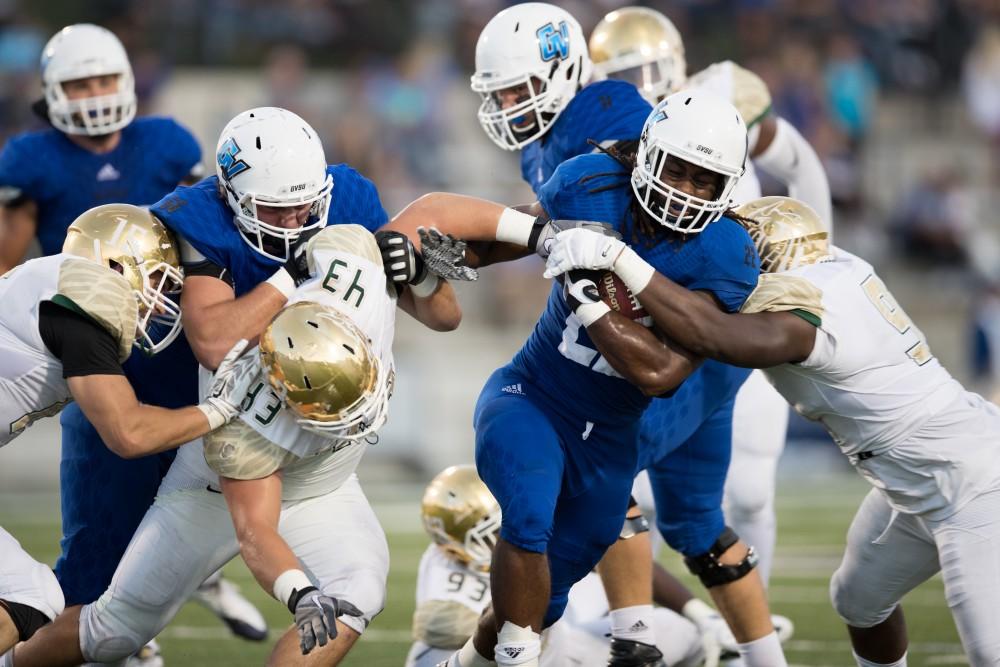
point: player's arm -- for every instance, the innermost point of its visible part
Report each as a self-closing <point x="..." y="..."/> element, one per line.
<point x="694" y="320"/>
<point x="784" y="153"/>
<point x="652" y="364"/>
<point x="93" y="372"/>
<point x="18" y="225"/>
<point x="255" y="506"/>
<point x="495" y="233"/>
<point x="438" y="310"/>
<point x="129" y="428"/>
<point x="214" y="318"/>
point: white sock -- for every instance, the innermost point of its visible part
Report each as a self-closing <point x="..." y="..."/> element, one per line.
<point x="517" y="646"/>
<point x="635" y="623"/>
<point x="865" y="663"/>
<point x="763" y="652"/>
<point x="468" y="656"/>
<point x="7" y="659"/>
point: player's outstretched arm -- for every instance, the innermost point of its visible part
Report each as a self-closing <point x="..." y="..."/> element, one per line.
<point x="695" y="321"/>
<point x="438" y="310"/>
<point x="132" y="429"/>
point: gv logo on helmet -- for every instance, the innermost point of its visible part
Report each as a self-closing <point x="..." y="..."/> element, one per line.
<point x="227" y="159"/>
<point x="553" y="43"/>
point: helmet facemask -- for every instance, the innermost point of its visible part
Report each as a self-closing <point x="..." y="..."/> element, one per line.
<point x="92" y="116"/>
<point x="653" y="78"/>
<point x="156" y="286"/>
<point x="670" y="206"/>
<point x="481" y="539"/>
<point x="501" y="125"/>
<point x="270" y="240"/>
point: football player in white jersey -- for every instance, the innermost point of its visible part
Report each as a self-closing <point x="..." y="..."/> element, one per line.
<point x="277" y="485"/>
<point x="642" y="45"/>
<point x="862" y="369"/>
<point x="68" y="323"/>
<point x="453" y="588"/>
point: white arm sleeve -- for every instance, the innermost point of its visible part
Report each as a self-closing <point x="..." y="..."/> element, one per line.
<point x="793" y="161"/>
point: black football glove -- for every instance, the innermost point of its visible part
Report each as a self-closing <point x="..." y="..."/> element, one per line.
<point x="544" y="232"/>
<point x="316" y="617"/>
<point x="401" y="262"/>
<point x="580" y="288"/>
<point x="297" y="264"/>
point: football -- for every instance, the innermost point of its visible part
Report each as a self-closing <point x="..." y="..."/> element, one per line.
<point x="619" y="297"/>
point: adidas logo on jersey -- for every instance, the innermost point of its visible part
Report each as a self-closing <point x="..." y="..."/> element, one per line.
<point x="108" y="173"/>
<point x="513" y="389"/>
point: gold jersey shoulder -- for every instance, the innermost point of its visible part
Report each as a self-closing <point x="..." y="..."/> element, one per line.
<point x="237" y="451"/>
<point x="352" y="239"/>
<point x="104" y="295"/>
<point x="746" y="90"/>
<point x="777" y="292"/>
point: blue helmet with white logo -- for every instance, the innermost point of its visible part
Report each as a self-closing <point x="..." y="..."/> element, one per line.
<point x="270" y="157"/>
<point x="540" y="51"/>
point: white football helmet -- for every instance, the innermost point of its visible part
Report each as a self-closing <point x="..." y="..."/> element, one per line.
<point x="641" y="46"/>
<point x="269" y="156"/>
<point x="77" y="52"/>
<point x="700" y="128"/>
<point x="534" y="44"/>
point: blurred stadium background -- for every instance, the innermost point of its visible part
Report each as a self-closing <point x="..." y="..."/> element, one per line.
<point x="901" y="99"/>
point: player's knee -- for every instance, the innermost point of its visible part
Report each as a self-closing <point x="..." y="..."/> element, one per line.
<point x="366" y="591"/>
<point x="712" y="571"/>
<point x="855" y="605"/>
<point x="748" y="497"/>
<point x="693" y="535"/>
<point x="113" y="633"/>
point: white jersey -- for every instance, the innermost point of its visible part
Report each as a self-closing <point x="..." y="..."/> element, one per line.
<point x="349" y="278"/>
<point x="870" y="379"/>
<point x="31" y="381"/>
<point x="442" y="578"/>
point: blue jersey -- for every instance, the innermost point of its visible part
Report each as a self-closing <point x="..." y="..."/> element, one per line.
<point x="64" y="180"/>
<point x="605" y="111"/>
<point x="202" y="217"/>
<point x="559" y="356"/>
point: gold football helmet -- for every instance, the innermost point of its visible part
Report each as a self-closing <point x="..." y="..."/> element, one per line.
<point x="641" y="46"/>
<point x="133" y="242"/>
<point x="462" y="516"/>
<point x="323" y="367"/>
<point x="787" y="233"/>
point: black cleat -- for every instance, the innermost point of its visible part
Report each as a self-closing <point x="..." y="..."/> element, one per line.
<point x="630" y="653"/>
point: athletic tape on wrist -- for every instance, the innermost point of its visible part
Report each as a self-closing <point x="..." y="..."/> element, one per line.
<point x="515" y="227"/>
<point x="634" y="271"/>
<point x="288" y="582"/>
<point x="589" y="313"/>
<point x="282" y="281"/>
<point x="425" y="287"/>
<point x="213" y="414"/>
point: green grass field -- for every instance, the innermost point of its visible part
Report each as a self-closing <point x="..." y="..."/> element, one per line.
<point x="813" y="520"/>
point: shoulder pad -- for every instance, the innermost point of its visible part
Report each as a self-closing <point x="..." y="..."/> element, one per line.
<point x="778" y="292"/>
<point x="237" y="451"/>
<point x="351" y="239"/>
<point x="746" y="90"/>
<point x="444" y="623"/>
<point x="105" y="296"/>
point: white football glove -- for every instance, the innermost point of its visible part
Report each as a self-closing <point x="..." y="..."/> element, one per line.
<point x="230" y="385"/>
<point x="582" y="249"/>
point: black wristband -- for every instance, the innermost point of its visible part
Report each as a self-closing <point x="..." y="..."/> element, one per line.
<point x="293" y="599"/>
<point x="536" y="231"/>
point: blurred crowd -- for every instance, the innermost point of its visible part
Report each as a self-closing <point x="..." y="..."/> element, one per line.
<point x="879" y="87"/>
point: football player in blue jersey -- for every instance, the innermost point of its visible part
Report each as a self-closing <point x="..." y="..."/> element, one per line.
<point x="557" y="429"/>
<point x="533" y="72"/>
<point x="104" y="154"/>
<point x="532" y="69"/>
